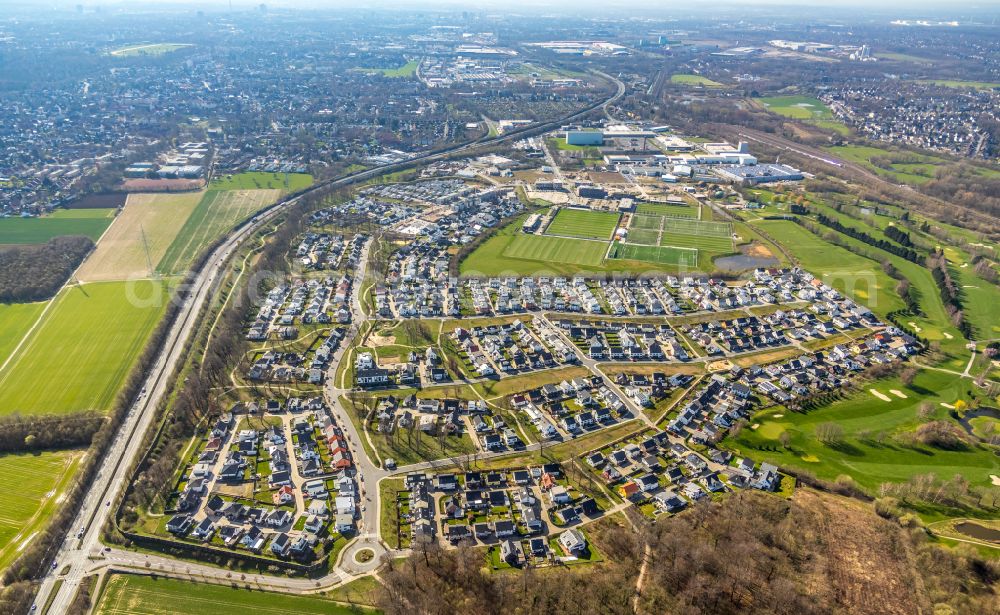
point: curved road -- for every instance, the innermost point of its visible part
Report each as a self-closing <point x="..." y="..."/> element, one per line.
<point x="83" y="537"/>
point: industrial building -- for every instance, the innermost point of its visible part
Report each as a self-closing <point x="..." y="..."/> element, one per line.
<point x="584" y="137"/>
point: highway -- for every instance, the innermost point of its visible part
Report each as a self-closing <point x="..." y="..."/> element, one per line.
<point x="83" y="537"/>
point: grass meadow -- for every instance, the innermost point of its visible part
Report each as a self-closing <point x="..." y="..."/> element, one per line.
<point x="682" y="79"/>
<point x="35" y="481"/>
<point x="798" y="107"/>
<point x="81" y="352"/>
<point x="88" y="222"/>
<point x="147" y="595"/>
<point x="257" y="180"/>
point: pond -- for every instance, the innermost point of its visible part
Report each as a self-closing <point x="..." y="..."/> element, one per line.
<point x="978" y="531"/>
<point x="744" y="262"/>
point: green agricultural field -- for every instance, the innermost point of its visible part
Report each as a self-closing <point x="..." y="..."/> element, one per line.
<point x="406" y="70"/>
<point x="216" y="213"/>
<point x="147" y="595"/>
<point x="155" y="49"/>
<point x="34" y="482"/>
<point x="669" y="211"/>
<point x="860" y="278"/>
<point x="694" y="80"/>
<point x="653" y="254"/>
<point x="255" y="180"/>
<point x="15" y="320"/>
<point x="583" y="223"/>
<point x="89" y="222"/>
<point x="82" y="351"/>
<point x="797" y="107"/>
<point x="863" y="416"/>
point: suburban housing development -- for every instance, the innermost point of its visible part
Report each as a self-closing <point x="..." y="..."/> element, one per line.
<point x="480" y="309"/>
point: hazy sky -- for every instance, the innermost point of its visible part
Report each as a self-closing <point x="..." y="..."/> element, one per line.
<point x="611" y="5"/>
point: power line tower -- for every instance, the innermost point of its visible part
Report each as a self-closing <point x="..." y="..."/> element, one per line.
<point x="145" y="247"/>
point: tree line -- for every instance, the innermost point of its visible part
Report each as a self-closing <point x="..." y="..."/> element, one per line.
<point x="951" y="295"/>
<point x="40" y="432"/>
<point x="903" y="252"/>
<point x="37" y="272"/>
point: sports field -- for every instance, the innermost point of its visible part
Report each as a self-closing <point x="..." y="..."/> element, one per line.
<point x="154" y="49"/>
<point x="670" y="211"/>
<point x="81" y="352"/>
<point x="556" y="249"/>
<point x="88" y="222"/>
<point x="121" y="253"/>
<point x="146" y="595"/>
<point x="217" y="212"/>
<point x="706" y="236"/>
<point x="648" y="237"/>
<point x="583" y="223"/>
<point x="653" y="254"/>
<point x="646" y="222"/>
<point x="33" y="483"/>
<point x="15" y="320"/>
<point x="256" y="180"/>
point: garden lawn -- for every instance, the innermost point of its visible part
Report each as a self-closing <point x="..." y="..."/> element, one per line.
<point x="80" y="354"/>
<point x="15" y="320"/>
<point x="863" y="458"/>
<point x="146" y="595"/>
<point x="88" y="222"/>
<point x="34" y="482"/>
<point x="583" y="223"/>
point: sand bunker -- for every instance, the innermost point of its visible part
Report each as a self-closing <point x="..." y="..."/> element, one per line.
<point x="898" y="393"/>
<point x="995" y="479"/>
<point x="947" y="335"/>
<point x="880" y="395"/>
